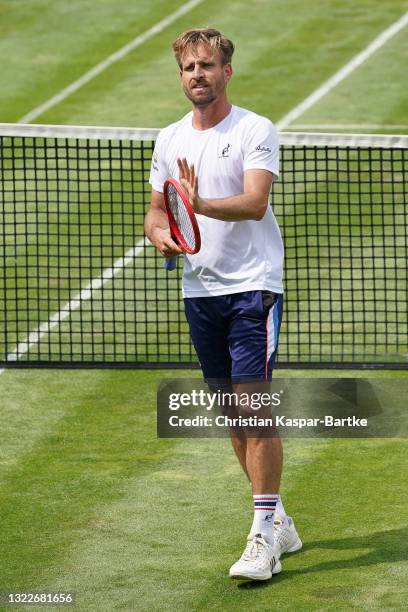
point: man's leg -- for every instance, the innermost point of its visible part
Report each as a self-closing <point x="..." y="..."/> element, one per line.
<point x="253" y="340"/>
<point x="263" y="457"/>
<point x="253" y="344"/>
<point x="255" y="456"/>
<point x="263" y="463"/>
<point x="239" y="444"/>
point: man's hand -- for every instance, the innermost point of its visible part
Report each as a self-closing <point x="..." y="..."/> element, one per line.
<point x="189" y="182"/>
<point x="157" y="227"/>
<point x="250" y="205"/>
<point x="162" y="240"/>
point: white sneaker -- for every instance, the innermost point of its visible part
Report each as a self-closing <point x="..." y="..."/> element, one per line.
<point x="258" y="561"/>
<point x="285" y="536"/>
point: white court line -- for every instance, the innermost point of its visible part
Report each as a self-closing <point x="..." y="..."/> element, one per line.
<point x="344" y="72"/>
<point x="74" y="303"/>
<point x="348" y="126"/>
<point x="111" y="59"/>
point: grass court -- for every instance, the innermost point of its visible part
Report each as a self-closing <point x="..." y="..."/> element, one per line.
<point x="90" y="500"/>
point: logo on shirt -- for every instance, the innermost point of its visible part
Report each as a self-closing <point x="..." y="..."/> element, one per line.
<point x="225" y="151"/>
<point x="266" y="149"/>
<point x="155" y="162"/>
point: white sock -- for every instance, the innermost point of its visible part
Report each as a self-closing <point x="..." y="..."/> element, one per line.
<point x="280" y="510"/>
<point x="264" y="511"/>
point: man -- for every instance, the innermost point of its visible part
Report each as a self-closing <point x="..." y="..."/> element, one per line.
<point x="226" y="158"/>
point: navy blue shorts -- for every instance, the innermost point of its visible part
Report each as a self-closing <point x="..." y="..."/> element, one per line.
<point x="236" y="336"/>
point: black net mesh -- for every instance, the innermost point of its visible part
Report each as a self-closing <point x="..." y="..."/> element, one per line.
<point x="79" y="285"/>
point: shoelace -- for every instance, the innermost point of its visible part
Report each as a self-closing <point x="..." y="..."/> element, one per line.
<point x="249" y="553"/>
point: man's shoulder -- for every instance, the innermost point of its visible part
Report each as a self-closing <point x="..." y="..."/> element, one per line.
<point x="171" y="130"/>
<point x="250" y="126"/>
<point x="246" y="117"/>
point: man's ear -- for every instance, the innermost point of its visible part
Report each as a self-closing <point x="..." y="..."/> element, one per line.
<point x="228" y="71"/>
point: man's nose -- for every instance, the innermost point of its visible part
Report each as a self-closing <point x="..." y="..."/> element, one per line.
<point x="198" y="71"/>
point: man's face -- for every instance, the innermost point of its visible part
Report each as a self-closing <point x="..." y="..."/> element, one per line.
<point x="203" y="76"/>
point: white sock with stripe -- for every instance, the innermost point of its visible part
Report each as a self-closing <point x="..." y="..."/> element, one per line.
<point x="264" y="511"/>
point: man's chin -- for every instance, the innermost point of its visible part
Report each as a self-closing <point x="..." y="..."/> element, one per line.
<point x="198" y="100"/>
<point x="203" y="102"/>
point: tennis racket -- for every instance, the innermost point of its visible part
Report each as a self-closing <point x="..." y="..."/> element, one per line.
<point x="182" y="221"/>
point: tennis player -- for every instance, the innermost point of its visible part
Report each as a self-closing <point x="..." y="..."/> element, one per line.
<point x="226" y="159"/>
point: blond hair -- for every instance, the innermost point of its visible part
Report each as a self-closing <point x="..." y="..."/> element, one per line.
<point x="206" y="36"/>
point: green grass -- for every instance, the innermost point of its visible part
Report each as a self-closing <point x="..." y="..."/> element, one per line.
<point x="292" y="46"/>
<point x="90" y="499"/>
<point x="50" y="44"/>
<point x="347" y="103"/>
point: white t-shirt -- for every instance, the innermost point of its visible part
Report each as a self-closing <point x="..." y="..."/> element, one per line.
<point x="235" y="256"/>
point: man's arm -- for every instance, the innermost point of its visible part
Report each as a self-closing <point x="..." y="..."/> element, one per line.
<point x="249" y="205"/>
<point x="157" y="227"/>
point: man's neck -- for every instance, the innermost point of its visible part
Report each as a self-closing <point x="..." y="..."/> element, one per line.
<point x="205" y="117"/>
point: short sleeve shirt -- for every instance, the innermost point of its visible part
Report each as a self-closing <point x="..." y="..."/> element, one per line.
<point x="235" y="256"/>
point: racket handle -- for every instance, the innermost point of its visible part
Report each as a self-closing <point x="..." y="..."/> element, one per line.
<point x="170" y="263"/>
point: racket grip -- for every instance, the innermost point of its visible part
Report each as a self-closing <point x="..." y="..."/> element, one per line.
<point x="170" y="263"/>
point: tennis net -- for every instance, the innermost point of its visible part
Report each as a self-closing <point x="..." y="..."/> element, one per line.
<point x="81" y="286"/>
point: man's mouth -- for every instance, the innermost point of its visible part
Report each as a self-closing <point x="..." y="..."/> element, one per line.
<point x="199" y="87"/>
